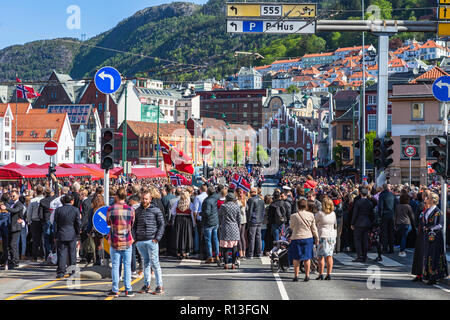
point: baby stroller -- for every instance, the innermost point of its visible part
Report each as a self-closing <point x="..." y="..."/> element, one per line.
<point x="279" y="258"/>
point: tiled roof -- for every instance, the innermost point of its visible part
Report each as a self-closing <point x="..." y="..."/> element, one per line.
<point x="313" y="55"/>
<point x="431" y="44"/>
<point x="142" y="128"/>
<point x="397" y="63"/>
<point x="352" y="48"/>
<point x="430" y="75"/>
<point x="38" y="125"/>
<point x="302" y="79"/>
<point x="286" y="61"/>
<point x="262" y="67"/>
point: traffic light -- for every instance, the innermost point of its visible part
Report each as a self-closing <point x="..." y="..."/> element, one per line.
<point x="387" y="152"/>
<point x="440" y="152"/>
<point x="378" y="153"/>
<point x="107" y="149"/>
<point x="209" y="172"/>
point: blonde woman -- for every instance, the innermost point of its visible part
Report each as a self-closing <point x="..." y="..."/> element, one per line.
<point x="183" y="234"/>
<point x="326" y="226"/>
<point x="242" y="202"/>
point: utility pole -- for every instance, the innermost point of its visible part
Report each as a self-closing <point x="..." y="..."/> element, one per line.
<point x="157" y="136"/>
<point x="330" y="120"/>
<point x="362" y="114"/>
<point x="444" y="185"/>
<point x="124" y="141"/>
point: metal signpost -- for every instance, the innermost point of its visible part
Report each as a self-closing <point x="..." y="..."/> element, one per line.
<point x="51" y="148"/>
<point x="441" y="91"/>
<point x="410" y="152"/>
<point x="107" y="80"/>
<point x="100" y="225"/>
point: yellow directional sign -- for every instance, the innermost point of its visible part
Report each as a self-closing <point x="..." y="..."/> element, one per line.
<point x="291" y="10"/>
<point x="444" y="29"/>
<point x="444" y="13"/>
<point x="444" y="1"/>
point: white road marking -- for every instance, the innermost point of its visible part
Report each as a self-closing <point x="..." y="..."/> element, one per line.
<point x="265" y="260"/>
<point x="190" y="262"/>
<point x="346" y="259"/>
<point x="386" y="261"/>
<point x="281" y="287"/>
<point x="442" y="288"/>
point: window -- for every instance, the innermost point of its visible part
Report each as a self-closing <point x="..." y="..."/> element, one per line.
<point x="346" y="153"/>
<point x="6" y="155"/>
<point x="171" y="113"/>
<point x="417" y="111"/>
<point x="410" y="141"/>
<point x="6" y="121"/>
<point x="6" y="138"/>
<point x="372" y="122"/>
<point x="346" y="132"/>
<point x="100" y="106"/>
<point x="244" y="105"/>
<point x="441" y="111"/>
<point x="245" y="114"/>
<point x="27" y="157"/>
<point x="291" y="135"/>
<point x="372" y="99"/>
<point x="389" y="123"/>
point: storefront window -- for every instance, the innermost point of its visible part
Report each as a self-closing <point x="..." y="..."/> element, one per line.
<point x="417" y="111"/>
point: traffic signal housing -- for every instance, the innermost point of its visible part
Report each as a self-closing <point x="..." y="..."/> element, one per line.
<point x="208" y="172"/>
<point x="387" y="152"/>
<point x="378" y="153"/>
<point x="107" y="149"/>
<point x="51" y="170"/>
<point x="440" y="152"/>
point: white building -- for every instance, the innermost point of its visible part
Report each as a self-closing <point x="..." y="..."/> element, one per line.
<point x="6" y="143"/>
<point x="187" y="107"/>
<point x="35" y="129"/>
<point x="249" y="78"/>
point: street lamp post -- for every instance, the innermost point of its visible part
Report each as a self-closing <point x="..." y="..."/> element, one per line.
<point x="124" y="140"/>
<point x="157" y="137"/>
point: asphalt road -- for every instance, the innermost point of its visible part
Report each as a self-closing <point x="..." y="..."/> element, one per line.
<point x="193" y="280"/>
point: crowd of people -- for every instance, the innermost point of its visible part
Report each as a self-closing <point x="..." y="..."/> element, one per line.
<point x="320" y="216"/>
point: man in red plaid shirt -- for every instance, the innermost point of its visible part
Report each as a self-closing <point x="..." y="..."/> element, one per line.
<point x="120" y="217"/>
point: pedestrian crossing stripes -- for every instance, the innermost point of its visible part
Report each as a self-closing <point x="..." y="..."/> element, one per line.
<point x="387" y="262"/>
<point x="190" y="262"/>
<point x="346" y="259"/>
<point x="265" y="260"/>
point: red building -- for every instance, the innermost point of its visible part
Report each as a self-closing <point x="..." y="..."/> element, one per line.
<point x="234" y="106"/>
<point x="296" y="142"/>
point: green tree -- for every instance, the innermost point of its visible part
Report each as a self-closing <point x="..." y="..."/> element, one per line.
<point x="261" y="154"/>
<point x="337" y="155"/>
<point x="369" y="146"/>
<point x="293" y="89"/>
<point x="238" y="155"/>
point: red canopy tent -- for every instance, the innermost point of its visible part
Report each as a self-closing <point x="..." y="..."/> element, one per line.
<point x="17" y="174"/>
<point x="142" y="173"/>
<point x="14" y="165"/>
<point x="33" y="166"/>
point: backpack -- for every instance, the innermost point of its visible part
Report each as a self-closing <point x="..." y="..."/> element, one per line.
<point x="279" y="215"/>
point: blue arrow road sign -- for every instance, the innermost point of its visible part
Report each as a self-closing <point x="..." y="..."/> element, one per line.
<point x="99" y="221"/>
<point x="441" y="88"/>
<point x="107" y="80"/>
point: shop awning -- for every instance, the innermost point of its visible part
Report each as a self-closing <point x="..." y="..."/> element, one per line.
<point x="143" y="173"/>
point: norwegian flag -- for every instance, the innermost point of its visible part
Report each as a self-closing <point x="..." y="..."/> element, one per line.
<point x="176" y="158"/>
<point x="178" y="179"/>
<point x="25" y="92"/>
<point x="239" y="182"/>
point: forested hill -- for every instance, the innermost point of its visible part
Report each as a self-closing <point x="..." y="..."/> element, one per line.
<point x="183" y="41"/>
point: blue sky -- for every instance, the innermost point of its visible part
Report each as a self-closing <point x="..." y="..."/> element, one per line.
<point x="29" y="20"/>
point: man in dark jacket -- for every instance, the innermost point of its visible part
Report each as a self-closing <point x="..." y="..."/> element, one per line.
<point x="149" y="229"/>
<point x="17" y="216"/>
<point x="67" y="226"/>
<point x="255" y="216"/>
<point x="276" y="215"/>
<point x="164" y="244"/>
<point x="44" y="214"/>
<point x="210" y="220"/>
<point x="361" y="223"/>
<point x="386" y="208"/>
